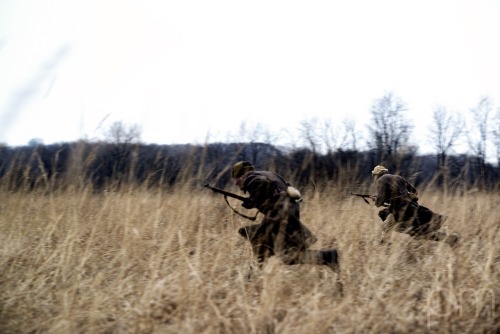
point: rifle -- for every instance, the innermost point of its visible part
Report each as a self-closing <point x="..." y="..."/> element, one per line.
<point x="365" y="196"/>
<point x="229" y="194"/>
<point x="225" y="193"/>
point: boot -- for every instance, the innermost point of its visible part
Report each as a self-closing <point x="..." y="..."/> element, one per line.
<point x="330" y="258"/>
<point x="452" y="239"/>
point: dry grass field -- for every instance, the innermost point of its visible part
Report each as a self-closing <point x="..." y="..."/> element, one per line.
<point x="145" y="261"/>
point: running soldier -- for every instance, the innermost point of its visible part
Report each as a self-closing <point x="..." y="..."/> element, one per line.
<point x="402" y="213"/>
<point x="281" y="232"/>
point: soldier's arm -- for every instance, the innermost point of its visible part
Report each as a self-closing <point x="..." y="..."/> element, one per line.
<point x="411" y="188"/>
<point x="258" y="189"/>
<point x="382" y="191"/>
<point x="412" y="192"/>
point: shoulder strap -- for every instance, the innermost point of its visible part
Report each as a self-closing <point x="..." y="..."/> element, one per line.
<point x="242" y="215"/>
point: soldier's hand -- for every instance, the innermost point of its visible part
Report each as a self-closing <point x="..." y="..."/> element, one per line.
<point x="247" y="204"/>
<point x="413" y="197"/>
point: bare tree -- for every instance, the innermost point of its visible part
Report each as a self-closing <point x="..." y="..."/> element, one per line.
<point x="308" y="130"/>
<point x="496" y="136"/>
<point x="351" y="134"/>
<point x="478" y="135"/>
<point x="258" y="133"/>
<point x="445" y="130"/>
<point x="121" y="133"/>
<point x="252" y="137"/>
<point x="34" y="142"/>
<point x="478" y="131"/>
<point x="339" y="137"/>
<point x="328" y="135"/>
<point x="122" y="153"/>
<point x="390" y="129"/>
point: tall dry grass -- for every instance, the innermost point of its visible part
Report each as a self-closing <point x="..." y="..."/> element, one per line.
<point x="145" y="261"/>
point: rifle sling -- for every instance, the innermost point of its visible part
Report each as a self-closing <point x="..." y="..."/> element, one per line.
<point x="242" y="215"/>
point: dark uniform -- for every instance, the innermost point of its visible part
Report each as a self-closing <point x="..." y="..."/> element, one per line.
<point x="403" y="213"/>
<point x="281" y="232"/>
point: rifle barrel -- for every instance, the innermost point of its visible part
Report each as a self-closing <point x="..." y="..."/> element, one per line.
<point x="363" y="195"/>
<point x="225" y="193"/>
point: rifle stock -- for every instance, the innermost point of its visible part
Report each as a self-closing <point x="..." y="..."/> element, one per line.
<point x="225" y="193"/>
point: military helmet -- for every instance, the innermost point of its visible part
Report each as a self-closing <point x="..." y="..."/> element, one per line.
<point x="240" y="168"/>
<point x="378" y="170"/>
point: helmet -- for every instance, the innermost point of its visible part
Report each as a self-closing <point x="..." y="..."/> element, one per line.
<point x="379" y="170"/>
<point x="241" y="168"/>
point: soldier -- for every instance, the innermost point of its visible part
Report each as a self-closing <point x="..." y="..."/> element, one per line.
<point x="281" y="232"/>
<point x="402" y="213"/>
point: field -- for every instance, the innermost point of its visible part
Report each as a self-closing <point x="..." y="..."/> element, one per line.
<point x="147" y="261"/>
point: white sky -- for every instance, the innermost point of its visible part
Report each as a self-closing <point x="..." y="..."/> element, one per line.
<point x="183" y="70"/>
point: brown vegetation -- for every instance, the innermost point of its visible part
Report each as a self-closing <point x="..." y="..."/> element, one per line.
<point x="148" y="261"/>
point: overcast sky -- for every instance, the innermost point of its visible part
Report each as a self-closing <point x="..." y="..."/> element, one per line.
<point x="185" y="70"/>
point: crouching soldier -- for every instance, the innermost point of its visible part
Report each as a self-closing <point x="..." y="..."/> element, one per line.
<point x="402" y="213"/>
<point x="281" y="232"/>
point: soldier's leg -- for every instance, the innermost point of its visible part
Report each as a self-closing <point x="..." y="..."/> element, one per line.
<point x="330" y="258"/>
<point x="327" y="257"/>
<point x="429" y="221"/>
<point x="254" y="269"/>
<point x="451" y="239"/>
<point x="386" y="229"/>
<point x="258" y="236"/>
<point x="248" y="231"/>
<point x="384" y="213"/>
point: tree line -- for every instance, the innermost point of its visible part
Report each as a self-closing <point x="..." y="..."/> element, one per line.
<point x="324" y="155"/>
<point x="111" y="165"/>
